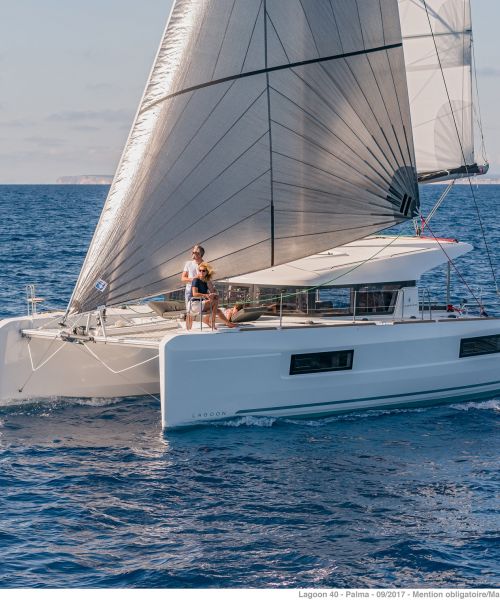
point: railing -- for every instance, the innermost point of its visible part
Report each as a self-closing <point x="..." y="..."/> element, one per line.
<point x="424" y="292"/>
<point x="32" y="299"/>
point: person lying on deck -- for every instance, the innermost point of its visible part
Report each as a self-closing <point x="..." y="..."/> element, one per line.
<point x="233" y="311"/>
<point x="203" y="290"/>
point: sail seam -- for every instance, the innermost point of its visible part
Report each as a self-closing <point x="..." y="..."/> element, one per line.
<point x="332" y="108"/>
<point x="169" y="260"/>
<point x="162" y="225"/>
<point x="272" y="69"/>
<point x="331" y="132"/>
<point x="251" y="37"/>
<point x="331" y="195"/>
<point x="205" y="215"/>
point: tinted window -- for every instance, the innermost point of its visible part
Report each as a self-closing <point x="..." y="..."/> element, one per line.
<point x="486" y="344"/>
<point x="319" y="362"/>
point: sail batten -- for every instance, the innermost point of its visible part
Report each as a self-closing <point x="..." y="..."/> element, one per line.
<point x="269" y="130"/>
<point x="270" y="70"/>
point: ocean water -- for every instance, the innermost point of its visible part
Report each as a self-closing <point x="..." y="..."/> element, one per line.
<point x="93" y="494"/>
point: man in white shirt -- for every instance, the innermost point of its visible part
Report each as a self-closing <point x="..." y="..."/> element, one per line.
<point x="191" y="269"/>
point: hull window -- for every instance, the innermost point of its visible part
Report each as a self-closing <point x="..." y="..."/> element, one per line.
<point x="486" y="344"/>
<point x="320" y="362"/>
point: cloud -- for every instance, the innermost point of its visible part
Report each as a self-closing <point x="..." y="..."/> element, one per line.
<point x="18" y="124"/>
<point x="103" y="87"/>
<point x="45" y="141"/>
<point x="78" y="116"/>
<point x="85" y="128"/>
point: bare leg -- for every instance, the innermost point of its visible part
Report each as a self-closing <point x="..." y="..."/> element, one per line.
<point x="214" y="310"/>
<point x="224" y="319"/>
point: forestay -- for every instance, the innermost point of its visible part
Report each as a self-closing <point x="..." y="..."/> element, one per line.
<point x="268" y="130"/>
<point x="437" y="39"/>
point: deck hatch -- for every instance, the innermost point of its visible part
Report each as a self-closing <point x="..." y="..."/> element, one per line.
<point x="319" y="362"/>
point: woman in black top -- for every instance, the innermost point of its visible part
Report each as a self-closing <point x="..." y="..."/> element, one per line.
<point x="203" y="289"/>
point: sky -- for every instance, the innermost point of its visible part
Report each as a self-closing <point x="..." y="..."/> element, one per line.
<point x="72" y="73"/>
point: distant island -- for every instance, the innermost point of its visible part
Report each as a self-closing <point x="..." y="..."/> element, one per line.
<point x="480" y="180"/>
<point x="85" y="180"/>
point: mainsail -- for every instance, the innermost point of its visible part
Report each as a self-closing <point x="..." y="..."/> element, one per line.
<point x="437" y="38"/>
<point x="268" y="130"/>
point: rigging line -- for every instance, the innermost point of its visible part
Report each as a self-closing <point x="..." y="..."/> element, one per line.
<point x="463" y="79"/>
<point x="438" y="204"/>
<point x="370" y="227"/>
<point x="269" y="128"/>
<point x="480" y="119"/>
<point x="42" y="364"/>
<point x="456" y="268"/>
<point x="120" y="373"/>
<point x="426" y="35"/>
<point x="483" y="233"/>
<point x="343" y="274"/>
<point x="282" y="67"/>
<point x="33" y="370"/>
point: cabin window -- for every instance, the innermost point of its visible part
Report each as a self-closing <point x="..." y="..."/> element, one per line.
<point x="378" y="299"/>
<point x="319" y="362"/>
<point x="485" y="344"/>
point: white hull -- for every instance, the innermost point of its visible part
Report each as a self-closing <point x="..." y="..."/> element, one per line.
<point x="48" y="367"/>
<point x="205" y="376"/>
<point x="211" y="377"/>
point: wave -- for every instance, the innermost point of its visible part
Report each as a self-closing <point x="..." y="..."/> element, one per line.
<point x="248" y="421"/>
<point x="56" y="402"/>
<point x="493" y="404"/>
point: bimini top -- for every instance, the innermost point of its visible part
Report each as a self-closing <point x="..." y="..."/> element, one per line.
<point x="374" y="259"/>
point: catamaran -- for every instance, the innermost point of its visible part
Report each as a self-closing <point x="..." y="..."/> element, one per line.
<point x="282" y="135"/>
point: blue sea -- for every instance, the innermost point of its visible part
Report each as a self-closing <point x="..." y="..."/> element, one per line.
<point x="93" y="494"/>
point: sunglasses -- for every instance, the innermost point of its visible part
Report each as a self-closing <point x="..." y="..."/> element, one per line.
<point x="202" y="270"/>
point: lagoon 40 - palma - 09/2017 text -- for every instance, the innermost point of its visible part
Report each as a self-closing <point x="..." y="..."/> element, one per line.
<point x="282" y="135"/>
